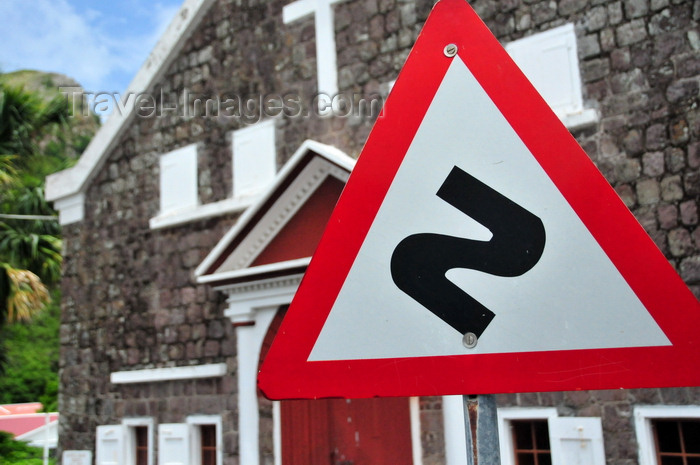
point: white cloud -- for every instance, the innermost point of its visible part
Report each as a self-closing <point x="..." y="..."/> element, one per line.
<point x="51" y="35"/>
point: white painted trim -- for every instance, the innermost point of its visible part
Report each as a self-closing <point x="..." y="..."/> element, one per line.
<point x="256" y="305"/>
<point x="75" y="180"/>
<point x="280" y="213"/>
<point x="582" y="119"/>
<point x="130" y="440"/>
<point x="505" y="415"/>
<point x="151" y="375"/>
<point x="201" y="212"/>
<point x="249" y="341"/>
<point x="326" y="55"/>
<point x="245" y="300"/>
<point x="328" y="152"/>
<point x="416" y="445"/>
<point x="261" y="289"/>
<point x="277" y="432"/>
<point x="455" y="433"/>
<point x="71" y="209"/>
<point x="643" y="416"/>
<point x="196" y="445"/>
<point x="255" y="270"/>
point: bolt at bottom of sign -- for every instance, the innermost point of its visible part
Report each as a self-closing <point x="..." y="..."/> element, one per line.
<point x="469" y="340"/>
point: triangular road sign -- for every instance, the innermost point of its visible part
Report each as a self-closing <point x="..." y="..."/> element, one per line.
<point x="476" y="249"/>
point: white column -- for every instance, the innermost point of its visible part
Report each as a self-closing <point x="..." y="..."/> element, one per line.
<point x="249" y="341"/>
<point x="455" y="436"/>
<point x="326" y="67"/>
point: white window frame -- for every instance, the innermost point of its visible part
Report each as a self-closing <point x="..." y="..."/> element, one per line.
<point x="526" y="52"/>
<point x="130" y="438"/>
<point x="506" y="415"/>
<point x="643" y="417"/>
<point x="254" y="154"/>
<point x="195" y="421"/>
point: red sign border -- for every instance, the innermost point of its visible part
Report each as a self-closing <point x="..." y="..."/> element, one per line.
<point x="286" y="373"/>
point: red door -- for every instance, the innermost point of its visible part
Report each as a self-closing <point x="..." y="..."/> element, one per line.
<point x="346" y="432"/>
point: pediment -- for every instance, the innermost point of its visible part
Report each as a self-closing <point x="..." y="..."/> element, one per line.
<point x="278" y="234"/>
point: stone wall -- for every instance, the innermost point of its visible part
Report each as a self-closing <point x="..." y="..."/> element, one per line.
<point x="130" y="300"/>
<point x="640" y="63"/>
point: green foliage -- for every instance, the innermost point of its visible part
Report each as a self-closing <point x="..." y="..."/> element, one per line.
<point x="30" y="251"/>
<point x="38" y="136"/>
<point x="32" y="366"/>
<point x="31" y="245"/>
<point x="25" y="120"/>
<point x="18" y="453"/>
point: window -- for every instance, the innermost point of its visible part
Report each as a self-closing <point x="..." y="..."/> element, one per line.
<point x="254" y="158"/>
<point x="537" y="436"/>
<point x="139" y="440"/>
<point x="206" y="439"/>
<point x="531" y="442"/>
<point x="550" y="61"/>
<point x="677" y="442"/>
<point x="178" y="180"/>
<point x="668" y="435"/>
<point x="140" y="445"/>
<point x="207" y="434"/>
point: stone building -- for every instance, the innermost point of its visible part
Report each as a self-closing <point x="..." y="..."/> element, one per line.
<point x="191" y="217"/>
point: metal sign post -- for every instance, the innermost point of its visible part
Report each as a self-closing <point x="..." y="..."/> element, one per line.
<point x="481" y="428"/>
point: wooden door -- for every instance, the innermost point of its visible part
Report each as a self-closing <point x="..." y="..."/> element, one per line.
<point x="346" y="432"/>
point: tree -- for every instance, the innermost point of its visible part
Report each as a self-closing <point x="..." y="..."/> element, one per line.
<point x="30" y="258"/>
<point x="37" y="138"/>
<point x="19" y="453"/>
<point x="32" y="360"/>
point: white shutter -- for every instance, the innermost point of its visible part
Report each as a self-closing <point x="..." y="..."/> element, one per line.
<point x="254" y="157"/>
<point x="576" y="441"/>
<point x="549" y="60"/>
<point x="178" y="179"/>
<point x="109" y="447"/>
<point x="174" y="444"/>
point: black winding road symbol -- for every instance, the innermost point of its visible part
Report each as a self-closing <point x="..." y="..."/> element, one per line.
<point x="420" y="261"/>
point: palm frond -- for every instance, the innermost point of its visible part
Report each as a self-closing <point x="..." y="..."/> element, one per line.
<point x="25" y="295"/>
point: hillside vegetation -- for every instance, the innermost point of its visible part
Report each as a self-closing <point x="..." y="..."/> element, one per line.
<point x="39" y="135"/>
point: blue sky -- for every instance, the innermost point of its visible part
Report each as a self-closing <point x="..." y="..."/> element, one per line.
<point x="101" y="44"/>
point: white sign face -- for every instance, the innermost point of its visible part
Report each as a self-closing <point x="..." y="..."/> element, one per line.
<point x="572" y="298"/>
<point x="77" y="457"/>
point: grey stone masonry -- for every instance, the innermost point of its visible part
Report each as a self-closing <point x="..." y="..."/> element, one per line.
<point x="129" y="297"/>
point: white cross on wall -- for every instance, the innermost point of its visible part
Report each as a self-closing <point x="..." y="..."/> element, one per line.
<point x="326" y="68"/>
